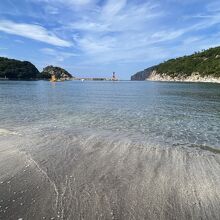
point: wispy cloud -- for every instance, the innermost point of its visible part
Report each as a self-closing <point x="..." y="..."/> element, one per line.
<point x="113" y="7"/>
<point x="59" y="56"/>
<point x="102" y="34"/>
<point x="32" y="31"/>
<point x="115" y="28"/>
<point x="73" y="3"/>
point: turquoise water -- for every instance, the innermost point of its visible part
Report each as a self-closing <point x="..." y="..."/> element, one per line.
<point x="169" y="114"/>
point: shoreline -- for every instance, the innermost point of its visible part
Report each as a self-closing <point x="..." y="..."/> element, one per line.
<point x="120" y="151"/>
<point x="195" y="78"/>
<point x="101" y="176"/>
<point x="182" y="81"/>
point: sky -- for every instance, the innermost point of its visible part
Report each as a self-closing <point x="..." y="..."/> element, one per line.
<point x="93" y="38"/>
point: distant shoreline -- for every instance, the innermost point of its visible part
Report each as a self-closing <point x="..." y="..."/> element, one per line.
<point x="193" y="78"/>
<point x="67" y="80"/>
<point x="186" y="81"/>
<point x="182" y="81"/>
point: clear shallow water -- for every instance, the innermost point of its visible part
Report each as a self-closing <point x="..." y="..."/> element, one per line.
<point x="109" y="150"/>
<point x="170" y="114"/>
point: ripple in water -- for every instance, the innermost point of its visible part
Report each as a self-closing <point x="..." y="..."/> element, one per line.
<point x="103" y="150"/>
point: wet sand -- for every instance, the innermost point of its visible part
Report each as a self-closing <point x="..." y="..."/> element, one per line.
<point x="58" y="174"/>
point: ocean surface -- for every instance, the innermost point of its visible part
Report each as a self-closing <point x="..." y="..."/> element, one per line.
<point x="109" y="150"/>
<point x="170" y="114"/>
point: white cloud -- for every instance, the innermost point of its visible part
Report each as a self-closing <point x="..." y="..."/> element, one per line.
<point x="52" y="10"/>
<point x="79" y="2"/>
<point x="92" y="45"/>
<point x="74" y="3"/>
<point x="120" y="30"/>
<point x="32" y="31"/>
<point x="117" y="31"/>
<point x="191" y="40"/>
<point x="117" y="27"/>
<point x="89" y="26"/>
<point x="58" y="55"/>
<point x="113" y="7"/>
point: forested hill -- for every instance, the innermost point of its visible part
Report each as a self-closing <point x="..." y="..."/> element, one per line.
<point x="23" y="70"/>
<point x="17" y="70"/>
<point x="204" y="63"/>
<point x="60" y="73"/>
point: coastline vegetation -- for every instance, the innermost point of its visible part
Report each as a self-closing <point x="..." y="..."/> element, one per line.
<point x="205" y="63"/>
<point x="18" y="70"/>
<point x="23" y="70"/>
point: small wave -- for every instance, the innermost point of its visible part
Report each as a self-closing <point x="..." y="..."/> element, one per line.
<point x="4" y="132"/>
<point x="206" y="148"/>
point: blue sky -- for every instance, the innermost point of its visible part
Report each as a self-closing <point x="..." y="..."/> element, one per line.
<point x="96" y="37"/>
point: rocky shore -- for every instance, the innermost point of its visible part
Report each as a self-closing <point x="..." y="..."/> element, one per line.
<point x="201" y="66"/>
<point x="195" y="77"/>
<point x="59" y="73"/>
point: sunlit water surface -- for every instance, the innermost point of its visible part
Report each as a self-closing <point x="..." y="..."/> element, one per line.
<point x="169" y="114"/>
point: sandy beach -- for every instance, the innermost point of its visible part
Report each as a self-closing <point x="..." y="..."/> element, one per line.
<point x="67" y="175"/>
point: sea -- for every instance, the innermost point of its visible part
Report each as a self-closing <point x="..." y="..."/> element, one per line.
<point x="173" y="114"/>
<point x="109" y="150"/>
